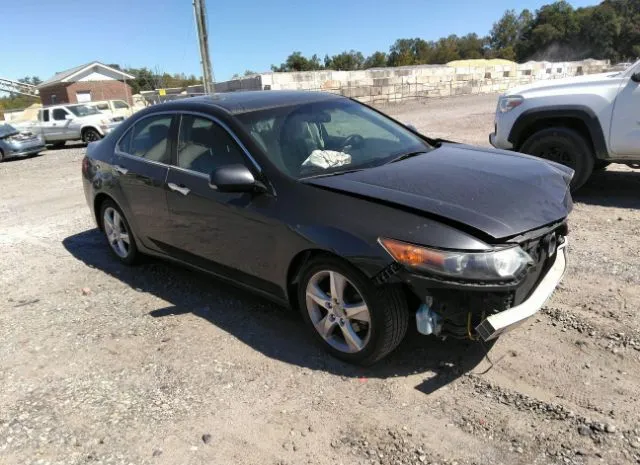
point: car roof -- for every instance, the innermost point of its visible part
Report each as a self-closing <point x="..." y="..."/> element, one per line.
<point x="248" y="101"/>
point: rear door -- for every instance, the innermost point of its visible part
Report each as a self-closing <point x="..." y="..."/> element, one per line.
<point x="141" y="166"/>
<point x="625" y="124"/>
<point x="232" y="234"/>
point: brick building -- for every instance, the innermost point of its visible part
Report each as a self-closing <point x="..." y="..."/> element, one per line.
<point x="91" y="82"/>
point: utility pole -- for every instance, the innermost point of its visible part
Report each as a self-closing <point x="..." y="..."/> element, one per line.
<point x="200" y="11"/>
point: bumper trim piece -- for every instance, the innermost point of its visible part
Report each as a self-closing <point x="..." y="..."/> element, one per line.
<point x="503" y="322"/>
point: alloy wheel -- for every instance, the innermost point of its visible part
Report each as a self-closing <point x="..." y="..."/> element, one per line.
<point x="91" y="136"/>
<point x="338" y="311"/>
<point x="116" y="232"/>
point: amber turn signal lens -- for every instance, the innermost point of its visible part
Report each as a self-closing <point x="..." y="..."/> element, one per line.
<point x="412" y="255"/>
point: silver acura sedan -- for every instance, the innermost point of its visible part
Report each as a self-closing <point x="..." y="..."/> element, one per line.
<point x="14" y="143"/>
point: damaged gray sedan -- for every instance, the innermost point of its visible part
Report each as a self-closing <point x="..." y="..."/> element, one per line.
<point x="14" y="143"/>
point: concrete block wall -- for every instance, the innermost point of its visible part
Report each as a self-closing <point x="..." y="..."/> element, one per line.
<point x="382" y="85"/>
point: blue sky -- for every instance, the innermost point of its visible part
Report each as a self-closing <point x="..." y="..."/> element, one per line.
<point x="41" y="37"/>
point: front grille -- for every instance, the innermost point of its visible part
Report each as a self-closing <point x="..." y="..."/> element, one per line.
<point x="542" y="250"/>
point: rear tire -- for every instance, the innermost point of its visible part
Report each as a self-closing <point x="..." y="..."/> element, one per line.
<point x="364" y="323"/>
<point x="565" y="146"/>
<point x="90" y="135"/>
<point x="118" y="233"/>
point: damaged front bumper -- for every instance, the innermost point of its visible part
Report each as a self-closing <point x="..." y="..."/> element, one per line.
<point x="485" y="310"/>
<point x="503" y="322"/>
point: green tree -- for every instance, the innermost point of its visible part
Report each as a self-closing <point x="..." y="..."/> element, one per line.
<point x="446" y="50"/>
<point x="402" y="53"/>
<point x="471" y="46"/>
<point x="345" y="61"/>
<point x="599" y="28"/>
<point x="376" y="60"/>
<point x="297" y="62"/>
<point x="504" y="35"/>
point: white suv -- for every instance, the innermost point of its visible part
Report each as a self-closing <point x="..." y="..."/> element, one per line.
<point x="583" y="122"/>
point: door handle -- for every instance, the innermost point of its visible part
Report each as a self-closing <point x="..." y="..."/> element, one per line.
<point x="120" y="169"/>
<point x="183" y="190"/>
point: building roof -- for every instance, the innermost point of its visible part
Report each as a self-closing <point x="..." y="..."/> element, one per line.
<point x="63" y="76"/>
<point x="253" y="100"/>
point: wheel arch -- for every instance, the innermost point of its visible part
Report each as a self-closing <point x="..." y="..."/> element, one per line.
<point x="98" y="200"/>
<point x="296" y="266"/>
<point x="579" y="118"/>
<point x="90" y="126"/>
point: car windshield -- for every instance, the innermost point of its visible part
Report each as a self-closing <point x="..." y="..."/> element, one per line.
<point x="83" y="110"/>
<point x="329" y="137"/>
<point x="7" y="130"/>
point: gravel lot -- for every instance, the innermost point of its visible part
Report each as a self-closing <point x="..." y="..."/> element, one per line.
<point x="102" y="364"/>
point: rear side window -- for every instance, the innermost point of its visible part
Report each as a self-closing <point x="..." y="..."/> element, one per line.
<point x="125" y="143"/>
<point x="150" y="138"/>
<point x="59" y="114"/>
<point x="204" y="146"/>
<point x="102" y="106"/>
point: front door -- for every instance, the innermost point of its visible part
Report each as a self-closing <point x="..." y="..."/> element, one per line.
<point x="625" y="124"/>
<point x="141" y="166"/>
<point x="60" y="124"/>
<point x="228" y="233"/>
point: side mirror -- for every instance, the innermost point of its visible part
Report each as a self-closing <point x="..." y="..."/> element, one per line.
<point x="635" y="77"/>
<point x="235" y="178"/>
<point x="412" y="127"/>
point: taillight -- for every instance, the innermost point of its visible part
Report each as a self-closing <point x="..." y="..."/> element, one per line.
<point x="85" y="165"/>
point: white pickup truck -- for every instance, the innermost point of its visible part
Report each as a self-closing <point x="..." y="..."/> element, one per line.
<point x="583" y="122"/>
<point x="60" y="123"/>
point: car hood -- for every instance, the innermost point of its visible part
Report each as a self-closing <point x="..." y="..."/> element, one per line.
<point x="566" y="83"/>
<point x="498" y="193"/>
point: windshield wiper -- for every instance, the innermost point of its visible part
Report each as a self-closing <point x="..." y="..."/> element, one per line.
<point x="404" y="156"/>
<point x="335" y="173"/>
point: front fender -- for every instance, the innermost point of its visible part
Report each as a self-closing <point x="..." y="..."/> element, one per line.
<point x="583" y="113"/>
<point x="370" y="258"/>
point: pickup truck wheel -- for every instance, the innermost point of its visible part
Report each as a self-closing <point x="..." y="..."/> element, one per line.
<point x="565" y="146"/>
<point x="90" y="135"/>
<point x="352" y="318"/>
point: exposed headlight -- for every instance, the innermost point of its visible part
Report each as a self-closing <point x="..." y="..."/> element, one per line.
<point x="493" y="265"/>
<point x="508" y="103"/>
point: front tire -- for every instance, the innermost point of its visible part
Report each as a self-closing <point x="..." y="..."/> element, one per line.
<point x="118" y="233"/>
<point x="353" y="319"/>
<point x="564" y="146"/>
<point x="90" y="135"/>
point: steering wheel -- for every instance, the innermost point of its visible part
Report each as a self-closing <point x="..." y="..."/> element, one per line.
<point x="354" y="141"/>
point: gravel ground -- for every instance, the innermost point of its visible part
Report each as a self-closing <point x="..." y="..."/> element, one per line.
<point x="103" y="364"/>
